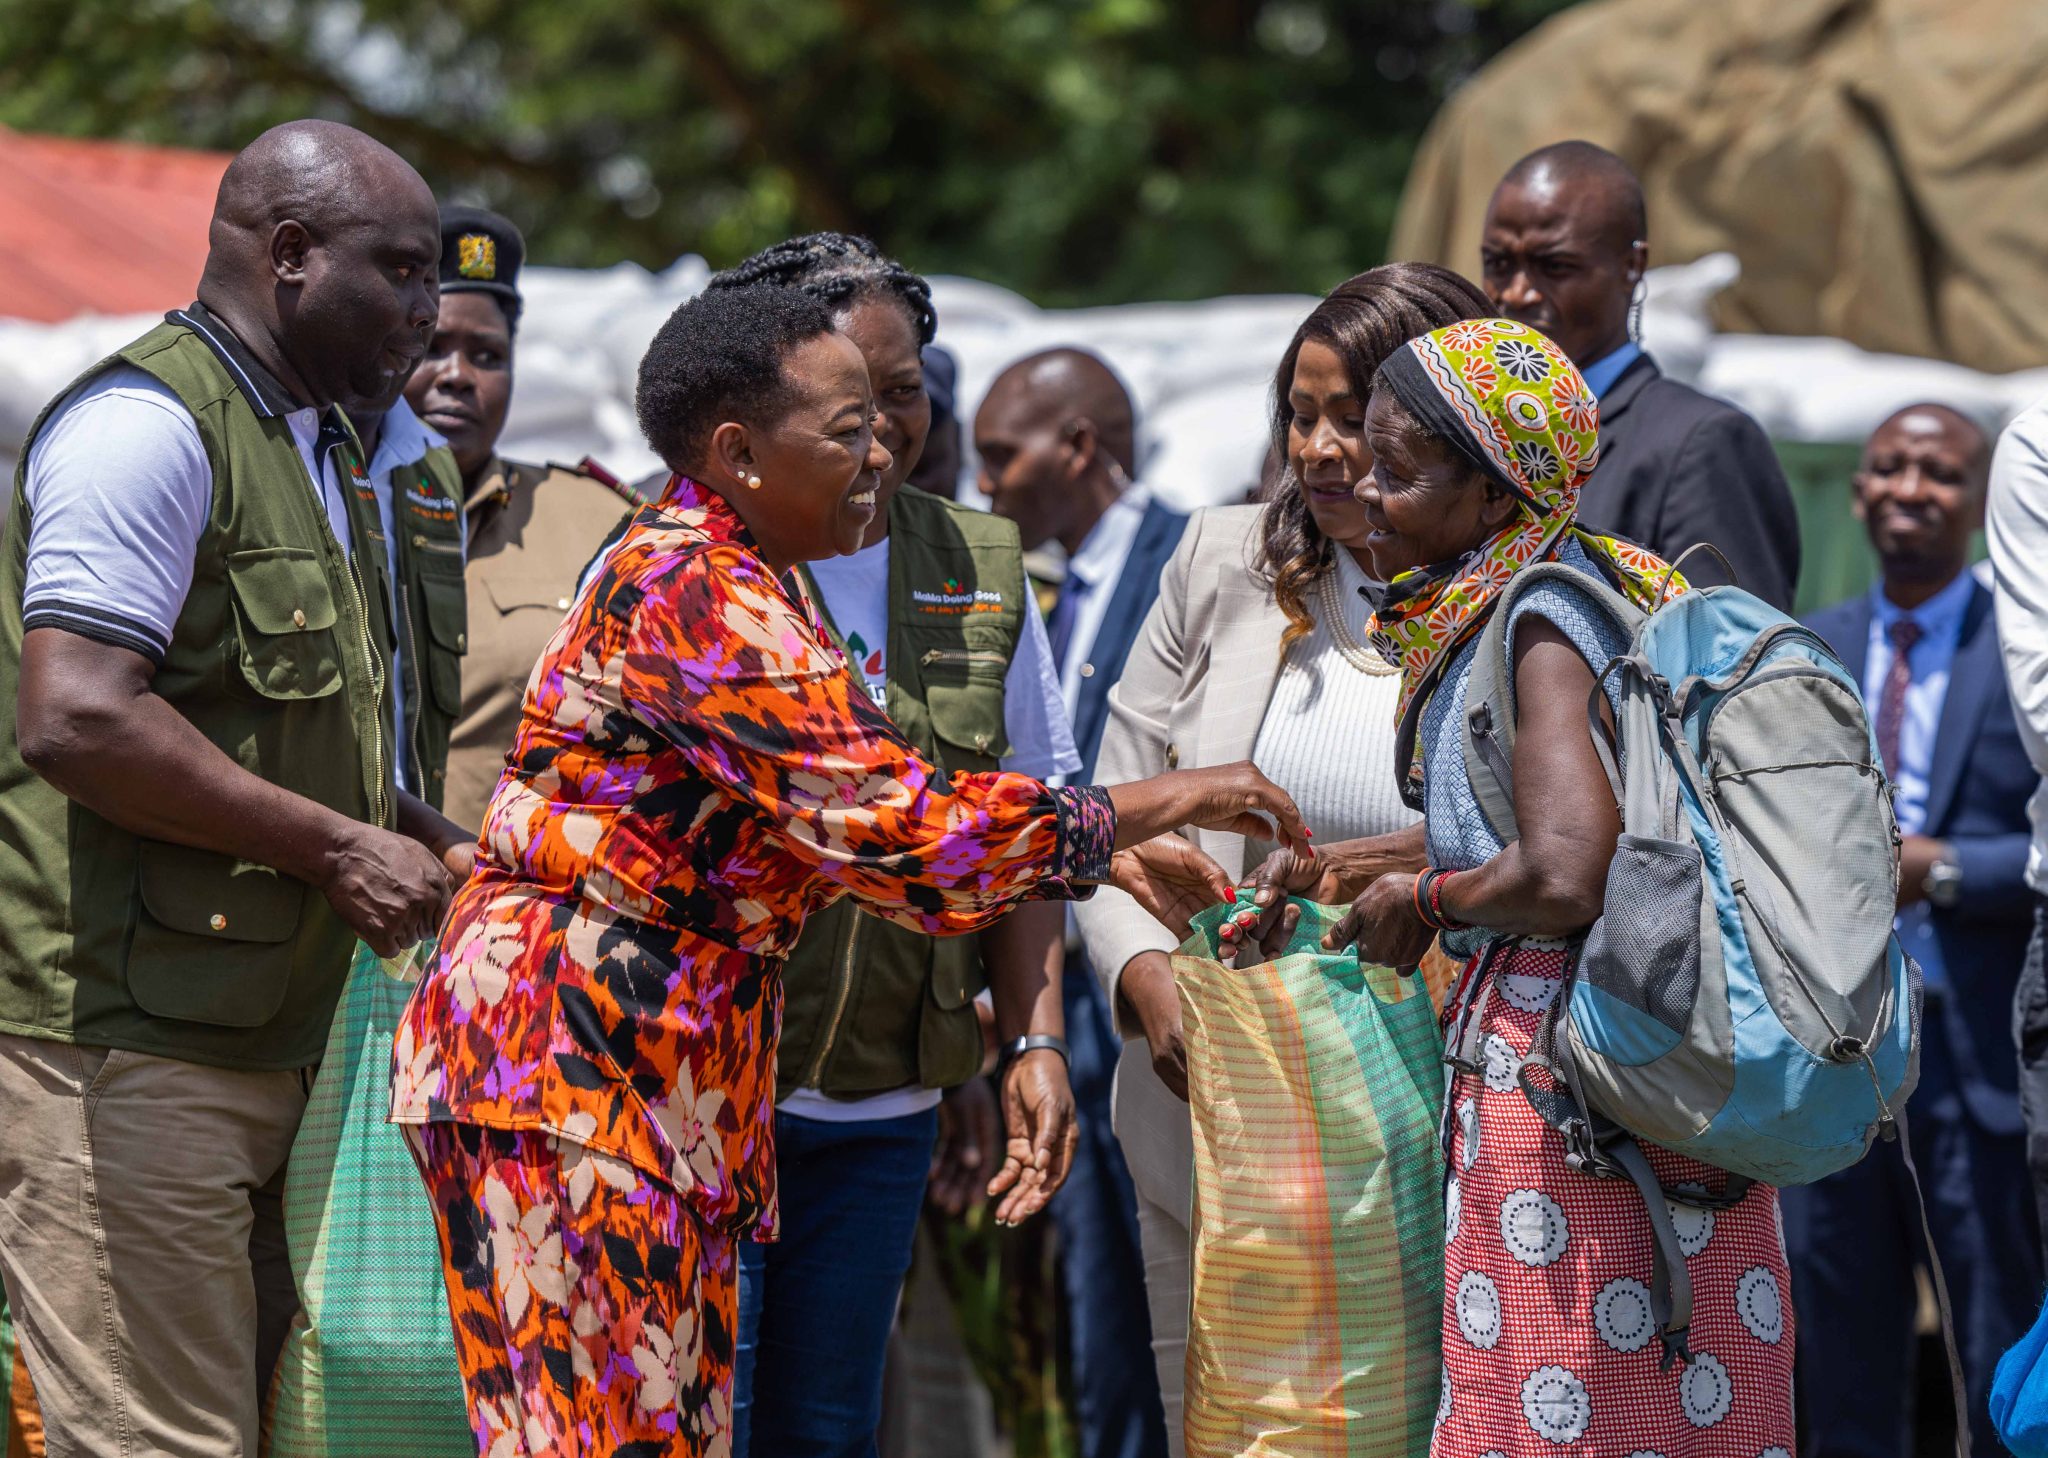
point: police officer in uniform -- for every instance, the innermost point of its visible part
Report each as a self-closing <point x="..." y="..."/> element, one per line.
<point x="531" y="529"/>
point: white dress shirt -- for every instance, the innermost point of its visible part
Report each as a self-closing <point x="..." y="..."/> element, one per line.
<point x="2017" y="528"/>
<point x="1100" y="565"/>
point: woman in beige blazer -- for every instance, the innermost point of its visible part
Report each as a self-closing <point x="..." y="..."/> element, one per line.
<point x="1255" y="650"/>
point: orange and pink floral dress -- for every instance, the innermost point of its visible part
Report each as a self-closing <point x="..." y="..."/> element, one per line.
<point x="588" y="1071"/>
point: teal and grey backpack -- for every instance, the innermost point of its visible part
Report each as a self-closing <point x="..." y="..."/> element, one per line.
<point x="1742" y="999"/>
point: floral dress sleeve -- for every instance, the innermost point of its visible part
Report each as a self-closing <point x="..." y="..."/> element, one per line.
<point x="732" y="674"/>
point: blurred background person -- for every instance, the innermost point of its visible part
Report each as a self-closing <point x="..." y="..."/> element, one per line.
<point x="936" y="622"/>
<point x="1056" y="438"/>
<point x="1924" y="646"/>
<point x="938" y="465"/>
<point x="1257" y="649"/>
<point x="1566" y="245"/>
<point x="529" y="530"/>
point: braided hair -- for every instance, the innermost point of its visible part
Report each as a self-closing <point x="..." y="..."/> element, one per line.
<point x="836" y="269"/>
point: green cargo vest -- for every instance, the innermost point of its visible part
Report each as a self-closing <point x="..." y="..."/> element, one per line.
<point x="278" y="658"/>
<point x="869" y="1005"/>
<point x="433" y="610"/>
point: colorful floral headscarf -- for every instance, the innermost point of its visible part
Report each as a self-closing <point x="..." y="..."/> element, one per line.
<point x="1509" y="400"/>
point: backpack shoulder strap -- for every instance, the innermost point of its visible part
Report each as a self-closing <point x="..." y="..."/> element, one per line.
<point x="1490" y="692"/>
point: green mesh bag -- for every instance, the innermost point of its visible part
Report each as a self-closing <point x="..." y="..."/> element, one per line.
<point x="368" y="1368"/>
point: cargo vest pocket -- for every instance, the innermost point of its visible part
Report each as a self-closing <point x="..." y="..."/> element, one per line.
<point x="949" y="1047"/>
<point x="213" y="942"/>
<point x="285" y="645"/>
<point x="963" y="692"/>
<point x="447" y="611"/>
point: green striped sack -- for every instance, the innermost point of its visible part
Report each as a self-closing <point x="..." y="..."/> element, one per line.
<point x="368" y="1368"/>
<point x="1314" y="1082"/>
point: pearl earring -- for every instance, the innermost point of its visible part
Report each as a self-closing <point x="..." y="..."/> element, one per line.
<point x="753" y="483"/>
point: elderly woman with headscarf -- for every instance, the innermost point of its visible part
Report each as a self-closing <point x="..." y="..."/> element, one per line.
<point x="1481" y="435"/>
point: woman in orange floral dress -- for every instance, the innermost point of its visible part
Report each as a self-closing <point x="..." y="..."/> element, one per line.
<point x="587" y="1074"/>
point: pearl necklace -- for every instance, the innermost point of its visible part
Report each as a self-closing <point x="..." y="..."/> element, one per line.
<point x="1361" y="658"/>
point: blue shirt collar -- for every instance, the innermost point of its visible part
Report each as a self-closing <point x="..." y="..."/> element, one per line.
<point x="1940" y="617"/>
<point x="1602" y="373"/>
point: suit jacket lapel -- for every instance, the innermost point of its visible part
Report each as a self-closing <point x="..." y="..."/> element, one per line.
<point x="1244" y="664"/>
<point x="1128" y="603"/>
<point x="1973" y="682"/>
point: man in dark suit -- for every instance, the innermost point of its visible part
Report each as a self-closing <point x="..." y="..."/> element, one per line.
<point x="1057" y="443"/>
<point x="1925" y="649"/>
<point x="1564" y="250"/>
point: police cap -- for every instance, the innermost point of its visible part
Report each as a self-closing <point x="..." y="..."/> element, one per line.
<point x="481" y="252"/>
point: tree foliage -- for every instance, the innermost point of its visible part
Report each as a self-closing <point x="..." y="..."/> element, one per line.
<point x="1078" y="150"/>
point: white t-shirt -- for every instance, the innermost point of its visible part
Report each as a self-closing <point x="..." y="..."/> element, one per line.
<point x="856" y="592"/>
<point x="402" y="443"/>
<point x="118" y="490"/>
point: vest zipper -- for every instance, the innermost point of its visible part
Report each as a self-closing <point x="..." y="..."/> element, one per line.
<point x="412" y="698"/>
<point x="383" y="801"/>
<point x="427" y="544"/>
<point x="963" y="656"/>
<point x="845" y="991"/>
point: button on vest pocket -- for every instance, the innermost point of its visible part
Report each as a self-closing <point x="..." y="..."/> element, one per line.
<point x="213" y="941"/>
<point x="284" y="641"/>
<point x="963" y="691"/>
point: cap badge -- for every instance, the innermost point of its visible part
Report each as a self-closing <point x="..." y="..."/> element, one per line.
<point x="476" y="256"/>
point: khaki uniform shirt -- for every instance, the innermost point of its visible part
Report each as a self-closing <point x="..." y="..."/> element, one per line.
<point x="532" y="530"/>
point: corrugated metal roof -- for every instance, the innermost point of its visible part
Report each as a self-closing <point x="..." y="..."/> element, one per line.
<point x="100" y="227"/>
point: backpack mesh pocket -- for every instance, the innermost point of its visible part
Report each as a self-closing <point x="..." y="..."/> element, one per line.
<point x="1645" y="948"/>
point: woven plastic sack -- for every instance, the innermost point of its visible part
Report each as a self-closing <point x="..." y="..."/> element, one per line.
<point x="368" y="1368"/>
<point x="1314" y="1083"/>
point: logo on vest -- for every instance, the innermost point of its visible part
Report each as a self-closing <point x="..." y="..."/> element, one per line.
<point x="953" y="600"/>
<point x="423" y="501"/>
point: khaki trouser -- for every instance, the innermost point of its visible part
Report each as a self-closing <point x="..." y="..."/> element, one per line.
<point x="1152" y="1126"/>
<point x="142" y="1240"/>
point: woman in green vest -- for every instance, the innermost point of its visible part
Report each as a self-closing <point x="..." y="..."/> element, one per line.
<point x="935" y="619"/>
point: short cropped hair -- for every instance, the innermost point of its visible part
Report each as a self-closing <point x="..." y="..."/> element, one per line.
<point x="718" y="358"/>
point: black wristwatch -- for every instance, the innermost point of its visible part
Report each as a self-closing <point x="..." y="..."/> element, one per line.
<point x="1016" y="1048"/>
<point x="1943" y="885"/>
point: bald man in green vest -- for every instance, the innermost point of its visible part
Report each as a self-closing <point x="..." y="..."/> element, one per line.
<point x="198" y="812"/>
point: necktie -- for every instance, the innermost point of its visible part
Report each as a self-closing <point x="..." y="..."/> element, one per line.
<point x="1891" y="703"/>
<point x="1059" y="624"/>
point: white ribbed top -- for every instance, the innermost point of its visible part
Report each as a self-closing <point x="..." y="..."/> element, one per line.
<point x="1328" y="734"/>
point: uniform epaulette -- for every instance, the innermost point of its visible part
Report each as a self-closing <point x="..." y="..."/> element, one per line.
<point x="589" y="467"/>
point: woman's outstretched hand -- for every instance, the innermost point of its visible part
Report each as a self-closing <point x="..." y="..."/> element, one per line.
<point x="1229" y="797"/>
<point x="1171" y="878"/>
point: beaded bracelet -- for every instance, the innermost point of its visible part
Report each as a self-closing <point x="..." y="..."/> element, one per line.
<point x="1429" y="900"/>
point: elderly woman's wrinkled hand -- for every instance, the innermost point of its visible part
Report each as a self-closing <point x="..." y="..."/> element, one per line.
<point x="1384" y="924"/>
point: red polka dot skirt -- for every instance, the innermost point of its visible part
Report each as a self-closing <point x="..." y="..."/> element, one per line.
<point x="1549" y="1346"/>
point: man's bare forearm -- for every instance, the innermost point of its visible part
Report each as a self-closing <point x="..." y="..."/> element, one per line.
<point x="88" y="722"/>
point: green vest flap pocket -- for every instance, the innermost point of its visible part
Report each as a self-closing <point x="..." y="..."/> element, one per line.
<point x="967" y="714"/>
<point x="212" y="944"/>
<point x="447" y="611"/>
<point x="285" y="645"/>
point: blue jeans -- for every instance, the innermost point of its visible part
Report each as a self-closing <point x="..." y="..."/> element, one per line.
<point x="1117" y="1410"/>
<point x="816" y="1306"/>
